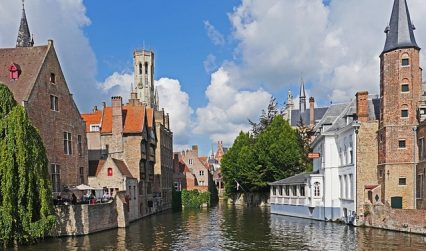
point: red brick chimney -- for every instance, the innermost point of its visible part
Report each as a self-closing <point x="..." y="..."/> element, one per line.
<point x="362" y="106"/>
<point x="311" y="112"/>
<point x="117" y="123"/>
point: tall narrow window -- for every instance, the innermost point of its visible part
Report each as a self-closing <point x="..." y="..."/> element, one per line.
<point x="420" y="186"/>
<point x="67" y="143"/>
<point x="56" y="178"/>
<point x="52" y="78"/>
<point x="146" y="67"/>
<point x="79" y="145"/>
<point x="81" y="175"/>
<point x="302" y="190"/>
<point x="317" y="190"/>
<point x="422" y="149"/>
<point x="351" y="187"/>
<point x="140" y="68"/>
<point x="54" y="103"/>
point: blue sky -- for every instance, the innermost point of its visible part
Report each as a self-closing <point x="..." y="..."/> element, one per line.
<point x="173" y="29"/>
<point x="217" y="61"/>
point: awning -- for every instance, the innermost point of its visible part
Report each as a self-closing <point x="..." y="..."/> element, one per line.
<point x="83" y="187"/>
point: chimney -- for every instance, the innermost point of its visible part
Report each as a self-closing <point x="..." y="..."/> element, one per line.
<point x="311" y="112"/>
<point x="195" y="149"/>
<point x="95" y="108"/>
<point x="168" y="121"/>
<point x="362" y="106"/>
<point x="103" y="105"/>
<point x="117" y="123"/>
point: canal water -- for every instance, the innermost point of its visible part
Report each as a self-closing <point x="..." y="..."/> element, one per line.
<point x="235" y="228"/>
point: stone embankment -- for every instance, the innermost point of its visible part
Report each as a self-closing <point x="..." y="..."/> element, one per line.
<point x="249" y="199"/>
<point x="403" y="220"/>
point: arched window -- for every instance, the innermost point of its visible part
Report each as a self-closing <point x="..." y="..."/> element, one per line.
<point x="140" y="68"/>
<point x="146" y="67"/>
<point x="317" y="191"/>
<point x="405" y="59"/>
<point x="109" y="171"/>
<point x="405" y="86"/>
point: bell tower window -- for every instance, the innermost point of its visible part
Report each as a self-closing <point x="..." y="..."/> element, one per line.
<point x="146" y="67"/>
<point x="140" y="68"/>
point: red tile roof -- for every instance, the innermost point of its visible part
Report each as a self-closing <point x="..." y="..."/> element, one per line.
<point x="92" y="118"/>
<point x="133" y="119"/>
<point x="30" y="60"/>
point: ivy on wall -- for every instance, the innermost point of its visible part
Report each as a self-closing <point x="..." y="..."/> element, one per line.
<point x="194" y="198"/>
<point x="26" y="208"/>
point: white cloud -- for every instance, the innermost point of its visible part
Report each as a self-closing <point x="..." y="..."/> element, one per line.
<point x="215" y="36"/>
<point x="337" y="47"/>
<point x="210" y="63"/>
<point x="118" y="84"/>
<point x="62" y="21"/>
<point x="176" y="103"/>
<point x="228" y="109"/>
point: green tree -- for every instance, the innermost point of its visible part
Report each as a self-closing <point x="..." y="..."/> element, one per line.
<point x="265" y="118"/>
<point x="276" y="153"/>
<point x="26" y="209"/>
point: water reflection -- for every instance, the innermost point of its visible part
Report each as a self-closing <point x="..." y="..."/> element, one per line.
<point x="235" y="228"/>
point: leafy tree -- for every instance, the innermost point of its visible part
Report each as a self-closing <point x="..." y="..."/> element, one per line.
<point x="304" y="135"/>
<point x="26" y="209"/>
<point x="276" y="153"/>
<point x="266" y="117"/>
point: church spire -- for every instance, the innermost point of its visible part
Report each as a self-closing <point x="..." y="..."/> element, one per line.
<point x="302" y="96"/>
<point x="24" y="37"/>
<point x="400" y="32"/>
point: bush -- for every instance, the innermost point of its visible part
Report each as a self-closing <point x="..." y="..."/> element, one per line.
<point x="195" y="198"/>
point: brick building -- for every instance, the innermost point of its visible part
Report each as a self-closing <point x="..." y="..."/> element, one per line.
<point x="400" y="94"/>
<point x="34" y="75"/>
<point x="196" y="172"/>
<point x="126" y="133"/>
<point x="163" y="169"/>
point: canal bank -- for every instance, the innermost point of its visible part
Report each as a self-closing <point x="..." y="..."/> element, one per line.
<point x="227" y="227"/>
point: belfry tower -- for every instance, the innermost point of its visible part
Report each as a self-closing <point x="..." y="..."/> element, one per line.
<point x="143" y="61"/>
<point x="400" y="93"/>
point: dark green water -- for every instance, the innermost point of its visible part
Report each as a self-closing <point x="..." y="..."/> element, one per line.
<point x="236" y="228"/>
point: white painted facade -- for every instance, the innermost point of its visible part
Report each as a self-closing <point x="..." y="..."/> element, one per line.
<point x="334" y="171"/>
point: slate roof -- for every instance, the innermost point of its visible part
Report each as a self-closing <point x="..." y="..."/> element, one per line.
<point x="305" y="116"/>
<point x="29" y="60"/>
<point x="297" y="179"/>
<point x="336" y="114"/>
<point x="400" y="32"/>
<point x="24" y="36"/>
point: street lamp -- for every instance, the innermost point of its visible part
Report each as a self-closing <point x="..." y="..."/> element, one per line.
<point x="356" y="125"/>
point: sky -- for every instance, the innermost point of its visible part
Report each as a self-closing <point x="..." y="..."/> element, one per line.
<point x="217" y="62"/>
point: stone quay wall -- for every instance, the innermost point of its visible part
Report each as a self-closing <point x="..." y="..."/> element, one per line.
<point x="402" y="220"/>
<point x="75" y="220"/>
<point x="249" y="199"/>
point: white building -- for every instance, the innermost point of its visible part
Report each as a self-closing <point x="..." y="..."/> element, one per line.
<point x="329" y="192"/>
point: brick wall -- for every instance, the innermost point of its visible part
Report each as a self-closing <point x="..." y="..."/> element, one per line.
<point x="404" y="220"/>
<point x="53" y="124"/>
<point x="366" y="160"/>
<point x="76" y="220"/>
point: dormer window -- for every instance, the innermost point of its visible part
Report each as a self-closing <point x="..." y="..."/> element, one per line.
<point x="52" y="78"/>
<point x="14" y="71"/>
